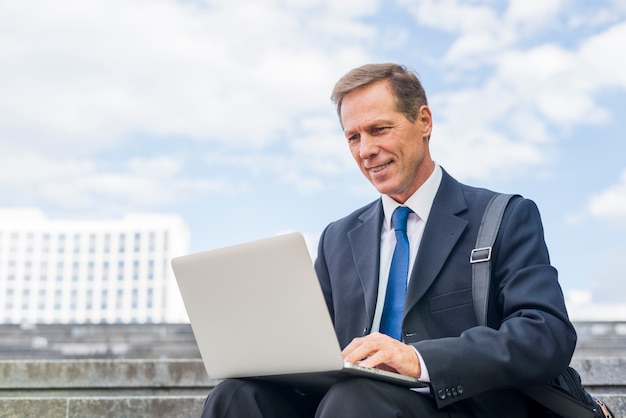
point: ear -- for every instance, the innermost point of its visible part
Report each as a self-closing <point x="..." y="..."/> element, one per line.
<point x="425" y="118"/>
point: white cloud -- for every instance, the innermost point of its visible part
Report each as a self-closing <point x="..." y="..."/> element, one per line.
<point x="609" y="205"/>
<point x="516" y="94"/>
<point x="314" y="157"/>
<point x="224" y="71"/>
<point x="82" y="77"/>
<point x="482" y="32"/>
<point x="535" y="12"/>
<point x="83" y="185"/>
<point x="482" y="131"/>
<point x="553" y="80"/>
<point x="21" y="169"/>
<point x="254" y="78"/>
<point x="582" y="307"/>
<point x="453" y="15"/>
<point x="602" y="57"/>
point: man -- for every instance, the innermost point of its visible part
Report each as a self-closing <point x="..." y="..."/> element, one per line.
<point x="472" y="370"/>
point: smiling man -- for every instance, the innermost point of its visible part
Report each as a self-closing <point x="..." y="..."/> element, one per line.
<point x="391" y="150"/>
<point x="397" y="279"/>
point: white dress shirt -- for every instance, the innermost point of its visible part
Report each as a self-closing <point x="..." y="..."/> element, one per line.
<point x="420" y="203"/>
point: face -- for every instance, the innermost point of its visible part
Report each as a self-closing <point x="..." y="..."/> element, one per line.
<point x="391" y="151"/>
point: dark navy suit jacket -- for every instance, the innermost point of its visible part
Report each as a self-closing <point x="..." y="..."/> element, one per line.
<point x="529" y="339"/>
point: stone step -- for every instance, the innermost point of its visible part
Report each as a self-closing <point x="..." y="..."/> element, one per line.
<point x="600" y="373"/>
<point x="57" y="341"/>
<point x="178" y="388"/>
<point x="110" y="406"/>
<point x="103" y="388"/>
<point x="103" y="374"/>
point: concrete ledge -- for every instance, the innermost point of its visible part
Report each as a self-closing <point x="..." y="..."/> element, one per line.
<point x="602" y="372"/>
<point x="178" y="388"/>
<point x="103" y="388"/>
<point x="82" y="374"/>
<point x="114" y="407"/>
<point x="598" y="372"/>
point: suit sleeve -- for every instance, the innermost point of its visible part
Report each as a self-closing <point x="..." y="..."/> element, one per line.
<point x="529" y="339"/>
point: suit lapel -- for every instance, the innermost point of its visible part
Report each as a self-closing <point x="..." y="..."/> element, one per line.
<point x="441" y="234"/>
<point x="365" y="246"/>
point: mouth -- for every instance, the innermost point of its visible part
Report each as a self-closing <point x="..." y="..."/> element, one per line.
<point x="379" y="167"/>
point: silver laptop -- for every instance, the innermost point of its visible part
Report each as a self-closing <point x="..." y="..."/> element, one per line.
<point x="257" y="311"/>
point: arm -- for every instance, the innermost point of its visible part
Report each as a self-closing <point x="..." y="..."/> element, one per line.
<point x="530" y="338"/>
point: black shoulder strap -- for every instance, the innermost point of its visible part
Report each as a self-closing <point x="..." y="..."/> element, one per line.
<point x="480" y="258"/>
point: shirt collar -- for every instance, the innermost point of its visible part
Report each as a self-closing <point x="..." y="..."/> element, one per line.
<point x="420" y="202"/>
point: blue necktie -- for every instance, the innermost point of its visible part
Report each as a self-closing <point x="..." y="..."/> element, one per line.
<point x="391" y="321"/>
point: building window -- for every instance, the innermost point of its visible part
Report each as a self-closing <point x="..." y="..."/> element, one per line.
<point x="103" y="299"/>
<point x="120" y="271"/>
<point x="45" y="243"/>
<point x="57" y="299"/>
<point x="30" y="238"/>
<point x="74" y="300"/>
<point x="27" y="270"/>
<point x="122" y="246"/>
<point x="59" y="271"/>
<point x="76" y="243"/>
<point x="119" y="299"/>
<point x="61" y="244"/>
<point x="151" y="241"/>
<point x="14" y="240"/>
<point x="25" y="297"/>
<point x="90" y="271"/>
<point x="92" y="243"/>
<point x="42" y="299"/>
<point x="137" y="244"/>
<point x="107" y="243"/>
<point x="135" y="270"/>
<point x="75" y="267"/>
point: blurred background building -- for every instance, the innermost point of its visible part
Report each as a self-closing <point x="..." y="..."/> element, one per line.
<point x="55" y="271"/>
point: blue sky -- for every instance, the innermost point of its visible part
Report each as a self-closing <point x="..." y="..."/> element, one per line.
<point x="219" y="111"/>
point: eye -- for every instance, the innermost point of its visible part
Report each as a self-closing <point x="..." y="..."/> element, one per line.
<point x="379" y="130"/>
<point x="353" y="137"/>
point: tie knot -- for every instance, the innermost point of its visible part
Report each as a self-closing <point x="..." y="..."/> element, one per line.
<point x="400" y="217"/>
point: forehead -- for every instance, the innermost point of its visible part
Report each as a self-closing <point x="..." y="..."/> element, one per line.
<point x="368" y="104"/>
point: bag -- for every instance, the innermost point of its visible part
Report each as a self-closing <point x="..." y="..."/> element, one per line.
<point x="565" y="396"/>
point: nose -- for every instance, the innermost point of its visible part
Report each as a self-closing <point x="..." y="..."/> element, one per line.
<point x="368" y="147"/>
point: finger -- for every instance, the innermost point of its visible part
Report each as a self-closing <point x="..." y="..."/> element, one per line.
<point x="354" y="344"/>
<point x="396" y="356"/>
<point x="361" y="348"/>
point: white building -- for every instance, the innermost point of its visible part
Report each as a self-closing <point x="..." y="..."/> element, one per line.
<point x="89" y="271"/>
